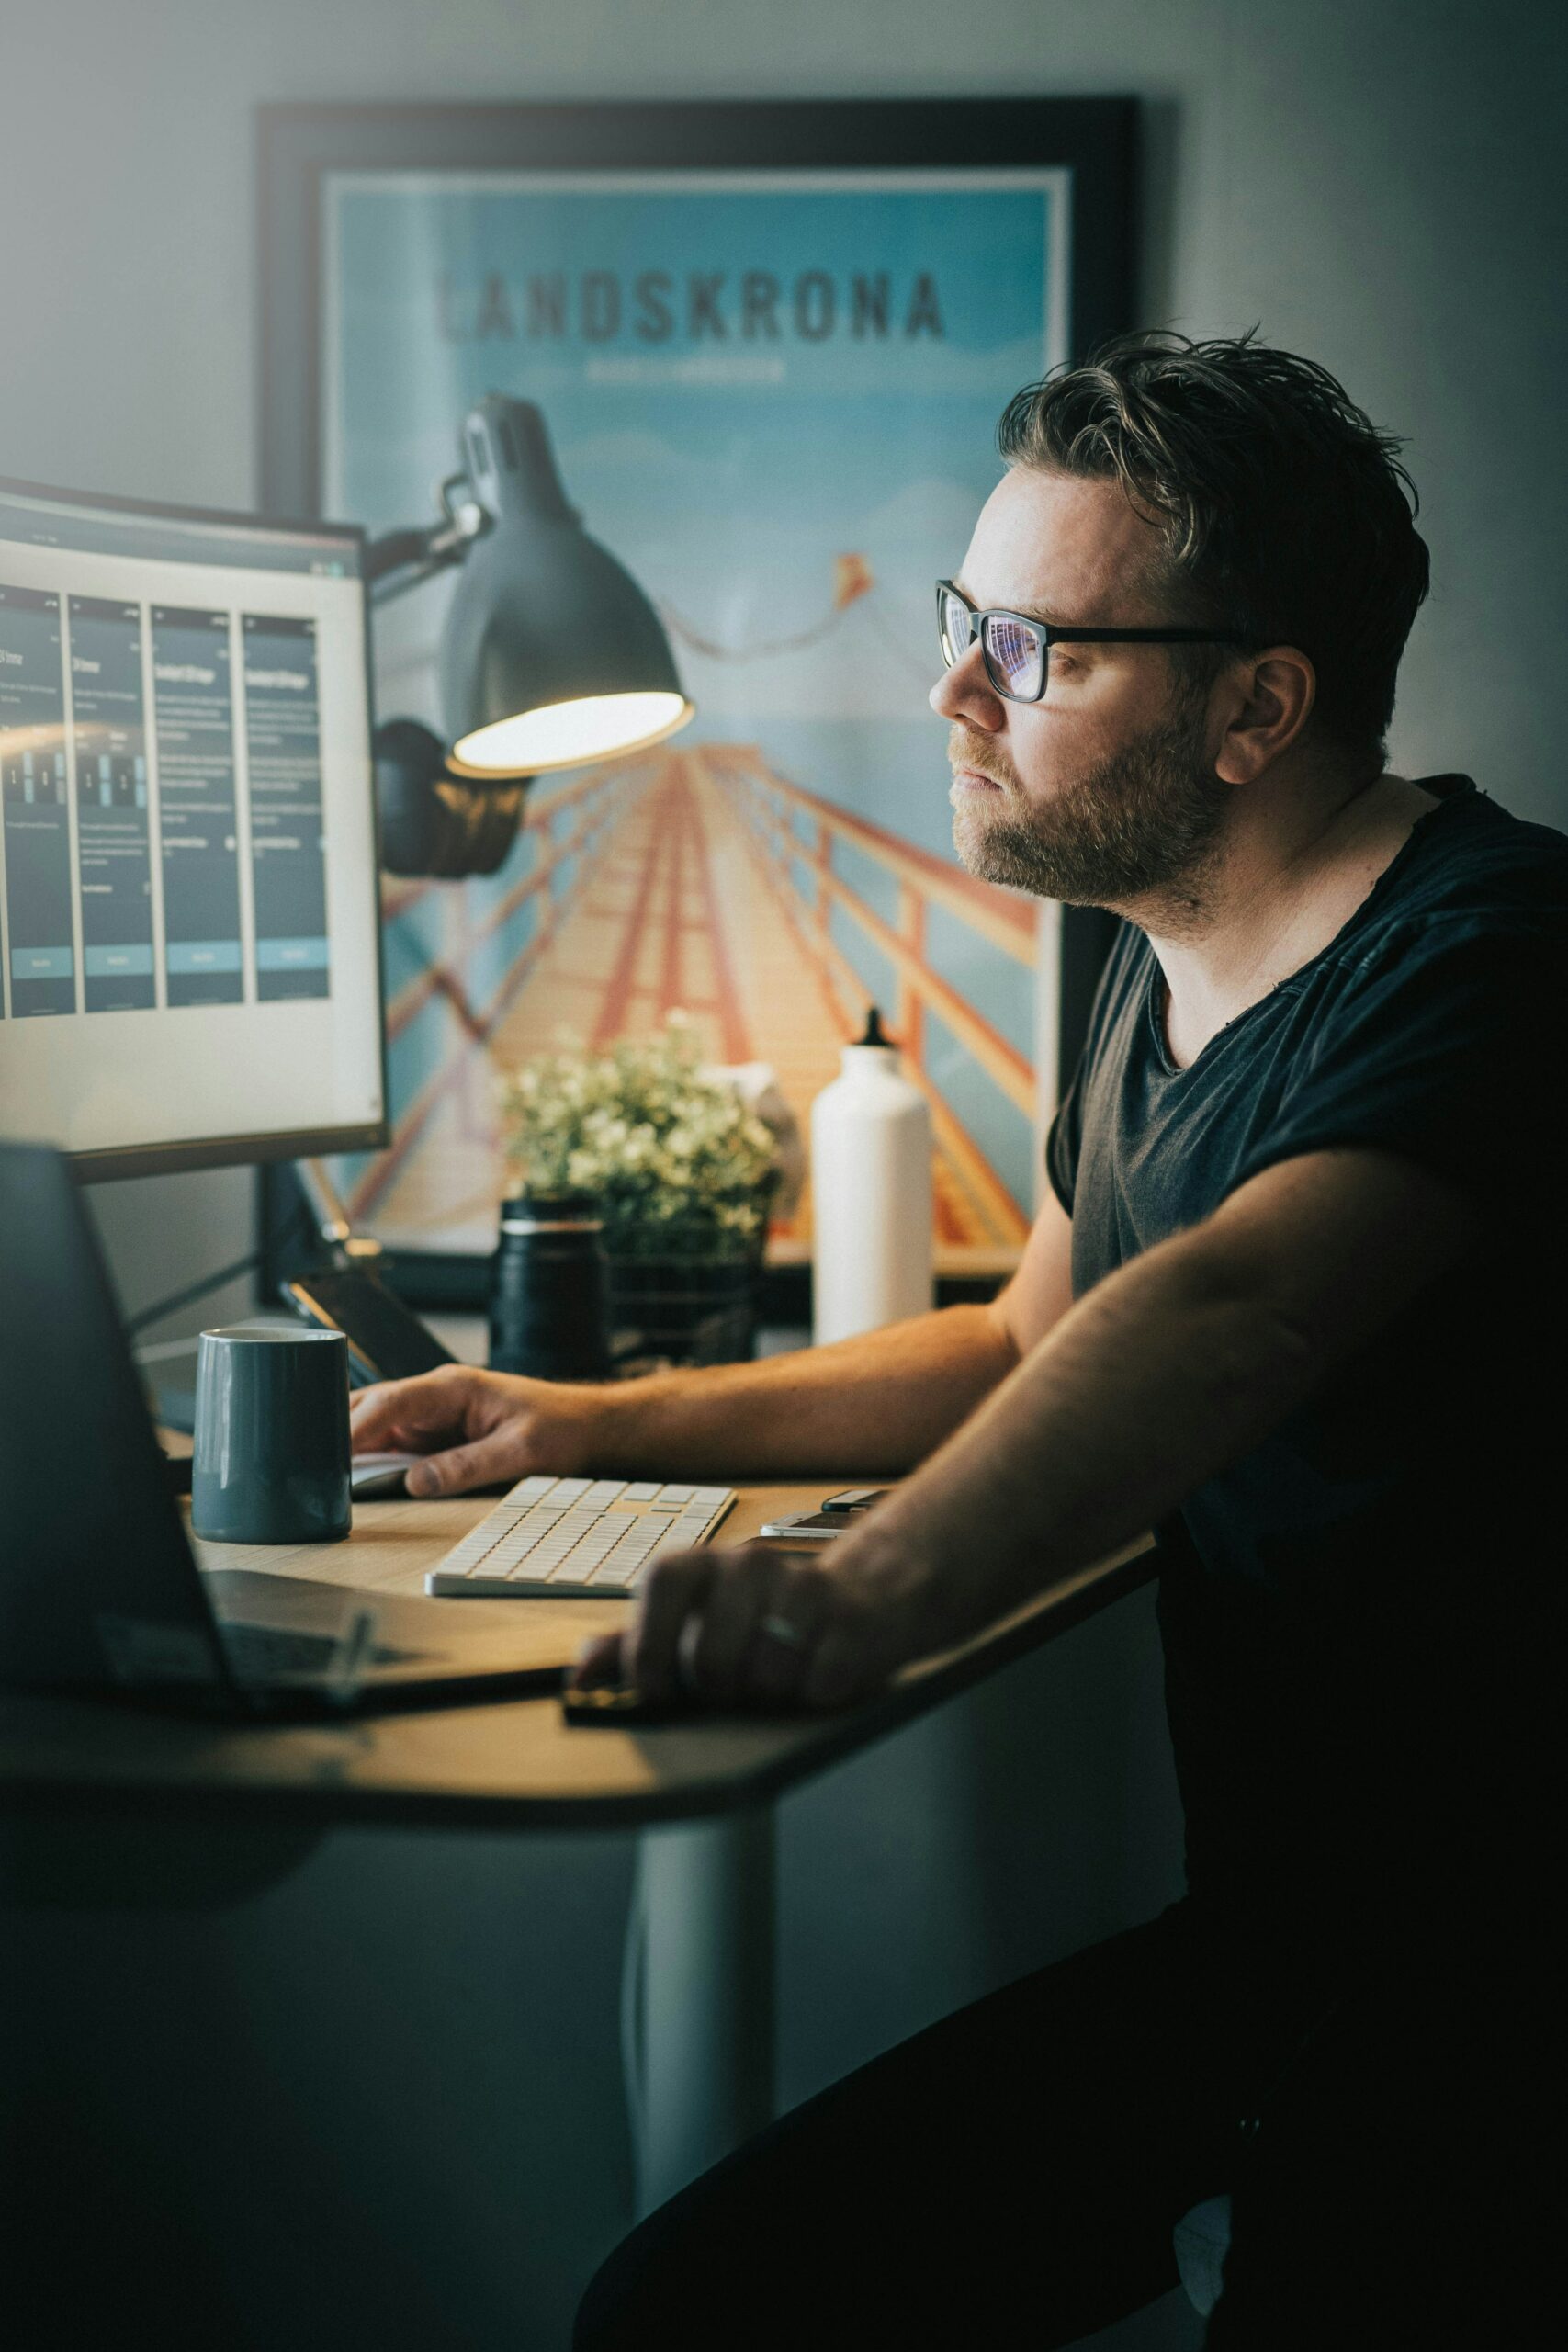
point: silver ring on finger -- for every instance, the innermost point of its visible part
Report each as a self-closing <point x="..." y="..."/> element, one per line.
<point x="690" y="1633"/>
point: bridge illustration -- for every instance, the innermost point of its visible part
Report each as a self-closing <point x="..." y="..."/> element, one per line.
<point x="697" y="879"/>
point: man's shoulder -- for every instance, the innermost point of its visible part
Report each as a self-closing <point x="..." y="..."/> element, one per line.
<point x="1471" y="870"/>
<point x="1471" y="853"/>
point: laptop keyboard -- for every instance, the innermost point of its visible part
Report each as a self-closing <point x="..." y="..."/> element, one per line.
<point x="566" y="1538"/>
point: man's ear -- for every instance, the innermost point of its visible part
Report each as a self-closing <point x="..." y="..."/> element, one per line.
<point x="1269" y="700"/>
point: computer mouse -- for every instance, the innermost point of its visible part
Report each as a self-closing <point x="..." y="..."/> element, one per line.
<point x="378" y="1477"/>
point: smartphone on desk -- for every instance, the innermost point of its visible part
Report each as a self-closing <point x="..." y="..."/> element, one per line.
<point x="385" y="1339"/>
<point x="838" y="1514"/>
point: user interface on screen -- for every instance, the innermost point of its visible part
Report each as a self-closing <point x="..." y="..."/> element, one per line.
<point x="188" y="944"/>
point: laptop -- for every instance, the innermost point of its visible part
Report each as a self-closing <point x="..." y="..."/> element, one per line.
<point x="100" y="1591"/>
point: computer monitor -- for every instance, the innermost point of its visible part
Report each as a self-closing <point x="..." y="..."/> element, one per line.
<point x="189" y="932"/>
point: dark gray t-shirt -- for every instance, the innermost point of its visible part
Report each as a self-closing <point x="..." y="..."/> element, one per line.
<point x="1354" y="1613"/>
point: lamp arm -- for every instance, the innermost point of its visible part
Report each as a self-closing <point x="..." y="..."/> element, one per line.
<point x="400" y="559"/>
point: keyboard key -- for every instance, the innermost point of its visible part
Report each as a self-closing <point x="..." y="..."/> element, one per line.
<point x="513" y="1549"/>
<point x="472" y="1549"/>
<point x="575" y="1535"/>
<point x="530" y="1490"/>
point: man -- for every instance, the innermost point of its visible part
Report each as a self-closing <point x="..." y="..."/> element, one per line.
<point x="1282" y="1305"/>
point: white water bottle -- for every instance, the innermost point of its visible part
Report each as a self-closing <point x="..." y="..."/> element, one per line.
<point x="871" y="1193"/>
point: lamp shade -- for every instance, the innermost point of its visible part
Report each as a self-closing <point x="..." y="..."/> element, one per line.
<point x="552" y="656"/>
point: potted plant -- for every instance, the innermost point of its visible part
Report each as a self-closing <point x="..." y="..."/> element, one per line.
<point x="683" y="1171"/>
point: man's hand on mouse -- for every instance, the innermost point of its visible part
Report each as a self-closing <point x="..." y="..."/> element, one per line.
<point x="476" y="1428"/>
<point x="759" y="1625"/>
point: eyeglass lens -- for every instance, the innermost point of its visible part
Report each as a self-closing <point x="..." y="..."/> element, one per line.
<point x="955" y="630"/>
<point x="1014" y="653"/>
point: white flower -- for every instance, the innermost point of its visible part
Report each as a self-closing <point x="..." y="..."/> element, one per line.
<point x="673" y="1153"/>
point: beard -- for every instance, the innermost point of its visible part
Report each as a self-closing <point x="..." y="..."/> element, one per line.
<point x="1144" y="823"/>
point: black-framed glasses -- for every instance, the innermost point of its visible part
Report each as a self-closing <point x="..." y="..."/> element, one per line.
<point x="1017" y="650"/>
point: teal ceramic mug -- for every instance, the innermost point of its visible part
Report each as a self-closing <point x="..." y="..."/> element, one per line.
<point x="271" y="1457"/>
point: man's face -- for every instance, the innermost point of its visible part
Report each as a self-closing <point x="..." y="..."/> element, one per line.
<point x="1103" y="793"/>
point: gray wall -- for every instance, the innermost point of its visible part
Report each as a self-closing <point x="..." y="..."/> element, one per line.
<point x="1372" y="180"/>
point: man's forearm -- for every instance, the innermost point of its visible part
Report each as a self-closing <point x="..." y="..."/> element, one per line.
<point x="1163" y="1376"/>
<point x="876" y="1405"/>
<point x="1154" y="1381"/>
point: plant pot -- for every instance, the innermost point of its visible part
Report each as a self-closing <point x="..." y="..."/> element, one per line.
<point x="688" y="1310"/>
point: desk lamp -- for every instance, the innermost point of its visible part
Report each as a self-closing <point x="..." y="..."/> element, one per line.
<point x="551" y="656"/>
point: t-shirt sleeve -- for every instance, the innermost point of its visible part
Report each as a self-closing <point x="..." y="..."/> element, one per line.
<point x="1446" y="1045"/>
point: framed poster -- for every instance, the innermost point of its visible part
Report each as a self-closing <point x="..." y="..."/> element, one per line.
<point x="771" y="343"/>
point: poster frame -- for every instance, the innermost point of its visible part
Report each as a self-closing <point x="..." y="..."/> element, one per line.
<point x="300" y="147"/>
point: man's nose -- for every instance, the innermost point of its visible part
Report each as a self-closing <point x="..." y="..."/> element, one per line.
<point x="966" y="693"/>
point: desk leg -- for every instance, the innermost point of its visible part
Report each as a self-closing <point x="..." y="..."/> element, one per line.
<point x="699" y="2038"/>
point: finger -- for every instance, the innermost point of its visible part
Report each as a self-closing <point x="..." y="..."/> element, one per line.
<point x="847" y="1664"/>
<point x="484" y="1462"/>
<point x="366" y="1401"/>
<point x="789" y="1628"/>
<point x="726" y="1628"/>
<point x="598" y="1662"/>
<point x="676" y="1585"/>
<point x="412" y="1412"/>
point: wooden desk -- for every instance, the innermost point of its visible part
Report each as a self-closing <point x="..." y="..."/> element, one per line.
<point x="700" y="2063"/>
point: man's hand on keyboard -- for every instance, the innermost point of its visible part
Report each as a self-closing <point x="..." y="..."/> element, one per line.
<point x="477" y="1429"/>
<point x="755" y="1625"/>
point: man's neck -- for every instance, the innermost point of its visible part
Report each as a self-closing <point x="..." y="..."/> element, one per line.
<point x="1297" y="860"/>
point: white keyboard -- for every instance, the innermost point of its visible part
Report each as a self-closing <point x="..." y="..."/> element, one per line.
<point x="576" y="1538"/>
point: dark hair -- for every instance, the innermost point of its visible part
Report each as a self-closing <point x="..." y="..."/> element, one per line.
<point x="1282" y="512"/>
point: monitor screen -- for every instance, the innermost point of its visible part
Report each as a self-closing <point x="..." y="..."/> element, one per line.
<point x="190" y="938"/>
